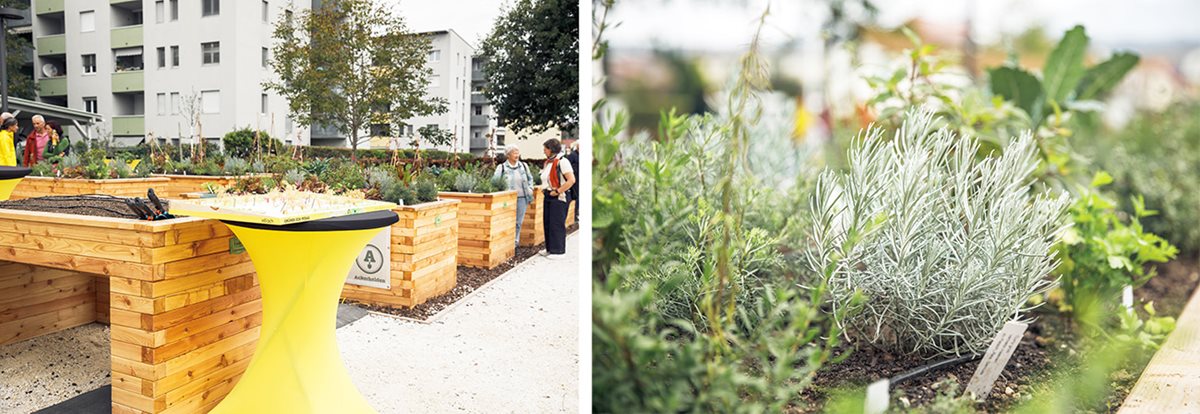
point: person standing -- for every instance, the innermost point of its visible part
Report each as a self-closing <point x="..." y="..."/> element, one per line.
<point x="517" y="175"/>
<point x="58" y="145"/>
<point x="559" y="176"/>
<point x="8" y="152"/>
<point x="573" y="193"/>
<point x="35" y="145"/>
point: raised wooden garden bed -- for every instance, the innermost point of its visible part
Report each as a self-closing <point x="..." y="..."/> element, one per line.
<point x="185" y="313"/>
<point x="124" y="187"/>
<point x="1171" y="381"/>
<point x="487" y="227"/>
<point x="424" y="256"/>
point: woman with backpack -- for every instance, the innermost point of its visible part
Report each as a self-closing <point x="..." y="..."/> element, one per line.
<point x="558" y="177"/>
<point x="517" y="175"/>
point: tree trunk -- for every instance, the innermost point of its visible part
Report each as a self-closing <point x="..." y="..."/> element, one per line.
<point x="354" y="144"/>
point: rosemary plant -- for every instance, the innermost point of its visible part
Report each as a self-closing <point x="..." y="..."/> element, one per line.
<point x="946" y="247"/>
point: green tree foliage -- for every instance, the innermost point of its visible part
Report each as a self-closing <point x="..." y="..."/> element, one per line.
<point x="349" y="64"/>
<point x="436" y="136"/>
<point x="240" y="143"/>
<point x="20" y="83"/>
<point x="532" y="66"/>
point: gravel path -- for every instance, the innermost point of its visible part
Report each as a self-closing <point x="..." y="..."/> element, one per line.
<point x="49" y="369"/>
<point x="512" y="347"/>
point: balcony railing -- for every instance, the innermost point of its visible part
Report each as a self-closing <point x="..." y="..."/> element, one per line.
<point x="48" y="6"/>
<point x="128" y="81"/>
<point x="51" y="45"/>
<point x="56" y="86"/>
<point x="129" y="125"/>
<point x="126" y="36"/>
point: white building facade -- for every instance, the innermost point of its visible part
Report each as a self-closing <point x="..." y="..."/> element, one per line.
<point x="138" y="62"/>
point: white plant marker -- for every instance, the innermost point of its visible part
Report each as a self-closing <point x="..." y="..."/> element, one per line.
<point x="877" y="397"/>
<point x="994" y="360"/>
<point x="1127" y="298"/>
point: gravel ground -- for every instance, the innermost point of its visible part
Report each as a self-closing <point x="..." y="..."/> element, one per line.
<point x="49" y="369"/>
<point x="512" y="347"/>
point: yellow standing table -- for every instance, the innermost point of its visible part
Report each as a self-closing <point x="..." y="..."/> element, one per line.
<point x="301" y="268"/>
<point x="9" y="178"/>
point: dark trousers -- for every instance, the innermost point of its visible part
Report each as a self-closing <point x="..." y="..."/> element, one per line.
<point x="554" y="223"/>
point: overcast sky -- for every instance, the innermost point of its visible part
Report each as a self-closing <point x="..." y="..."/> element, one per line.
<point x="472" y="19"/>
<point x="719" y="25"/>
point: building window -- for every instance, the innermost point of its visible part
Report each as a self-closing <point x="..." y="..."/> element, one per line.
<point x="87" y="21"/>
<point x="162" y="57"/>
<point x="174" y="10"/>
<point x="175" y="103"/>
<point x="435" y="55"/>
<point x="266" y="11"/>
<point x="263" y="104"/>
<point x="160" y="11"/>
<point x="162" y="103"/>
<point x="174" y="56"/>
<point x="266" y="53"/>
<point x="478" y="109"/>
<point x="210" y="102"/>
<point x="210" y="7"/>
<point x="435" y="81"/>
<point x="89" y="104"/>
<point x="89" y="63"/>
<point x="211" y="52"/>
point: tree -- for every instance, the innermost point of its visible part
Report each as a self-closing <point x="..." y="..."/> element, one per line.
<point x="20" y="82"/>
<point x="348" y="64"/>
<point x="532" y="66"/>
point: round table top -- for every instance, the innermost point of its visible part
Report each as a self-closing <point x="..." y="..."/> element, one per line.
<point x="361" y="221"/>
<point x="8" y="173"/>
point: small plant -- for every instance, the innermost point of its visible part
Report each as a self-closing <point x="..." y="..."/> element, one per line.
<point x="1101" y="253"/>
<point x="42" y="169"/>
<point x="425" y="190"/>
<point x="235" y="166"/>
<point x="465" y="183"/>
<point x="317" y="167"/>
<point x="295" y="177"/>
<point x="946" y="248"/>
<point x="70" y="161"/>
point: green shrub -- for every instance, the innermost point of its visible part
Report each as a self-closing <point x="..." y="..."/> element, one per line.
<point x="294" y="176"/>
<point x="235" y="166"/>
<point x="240" y="143"/>
<point x="947" y="249"/>
<point x="465" y="183"/>
<point x="425" y="190"/>
<point x="344" y="176"/>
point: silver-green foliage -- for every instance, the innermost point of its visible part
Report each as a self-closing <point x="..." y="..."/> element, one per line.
<point x="946" y="248"/>
<point x="465" y="183"/>
<point x="236" y="166"/>
<point x="294" y="176"/>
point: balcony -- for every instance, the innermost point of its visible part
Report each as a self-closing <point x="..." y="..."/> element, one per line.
<point x="51" y="45"/>
<point x="129" y="125"/>
<point x="127" y="36"/>
<point x="477" y="76"/>
<point x="479" y="120"/>
<point x="56" y="86"/>
<point x="123" y="1"/>
<point x="48" y="6"/>
<point x="128" y="81"/>
<point x="479" y="99"/>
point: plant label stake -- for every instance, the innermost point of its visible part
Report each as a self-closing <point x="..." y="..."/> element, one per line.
<point x="994" y="360"/>
<point x="1127" y="298"/>
<point x="877" y="397"/>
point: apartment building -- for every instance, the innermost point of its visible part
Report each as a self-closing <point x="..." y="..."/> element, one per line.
<point x="487" y="129"/>
<point x="143" y="64"/>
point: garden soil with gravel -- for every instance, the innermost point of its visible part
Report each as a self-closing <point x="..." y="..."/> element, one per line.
<point x="98" y="206"/>
<point x="1047" y="349"/>
<point x="469" y="280"/>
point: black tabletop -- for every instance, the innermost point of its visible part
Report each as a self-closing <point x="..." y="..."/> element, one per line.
<point x="8" y="173"/>
<point x="362" y="221"/>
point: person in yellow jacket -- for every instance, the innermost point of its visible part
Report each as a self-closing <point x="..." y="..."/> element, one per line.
<point x="8" y="151"/>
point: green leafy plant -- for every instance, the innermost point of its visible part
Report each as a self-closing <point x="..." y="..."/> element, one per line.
<point x="235" y="166"/>
<point x="295" y="176"/>
<point x="946" y="248"/>
<point x="425" y="190"/>
<point x="465" y="183"/>
<point x="1102" y="253"/>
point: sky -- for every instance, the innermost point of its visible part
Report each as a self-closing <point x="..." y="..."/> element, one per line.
<point x="723" y="25"/>
<point x="472" y="19"/>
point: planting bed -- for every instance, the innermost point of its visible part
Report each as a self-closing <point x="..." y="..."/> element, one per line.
<point x="487" y="227"/>
<point x="1047" y="350"/>
<point x="88" y="205"/>
<point x="424" y="256"/>
<point x="184" y="312"/>
<point x="469" y="280"/>
<point x="179" y="184"/>
<point x="123" y="187"/>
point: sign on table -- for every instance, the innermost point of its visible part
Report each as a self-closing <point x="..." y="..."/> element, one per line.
<point x="373" y="266"/>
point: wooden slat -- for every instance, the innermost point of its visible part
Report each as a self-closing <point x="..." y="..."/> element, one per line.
<point x="1171" y="382"/>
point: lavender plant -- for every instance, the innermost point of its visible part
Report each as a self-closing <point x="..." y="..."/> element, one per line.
<point x="946" y="247"/>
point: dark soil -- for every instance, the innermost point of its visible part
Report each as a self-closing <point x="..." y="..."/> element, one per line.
<point x="1049" y="348"/>
<point x="469" y="279"/>
<point x="85" y="205"/>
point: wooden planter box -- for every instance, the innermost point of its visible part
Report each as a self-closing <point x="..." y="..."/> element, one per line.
<point x="424" y="256"/>
<point x="487" y="227"/>
<point x="185" y="313"/>
<point x="532" y="232"/>
<point x="31" y="187"/>
<point x="179" y="184"/>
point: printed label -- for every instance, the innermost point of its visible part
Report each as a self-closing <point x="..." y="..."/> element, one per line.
<point x="994" y="360"/>
<point x="373" y="266"/>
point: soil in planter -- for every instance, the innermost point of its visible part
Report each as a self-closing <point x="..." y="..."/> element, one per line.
<point x="84" y="205"/>
<point x="469" y="279"/>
